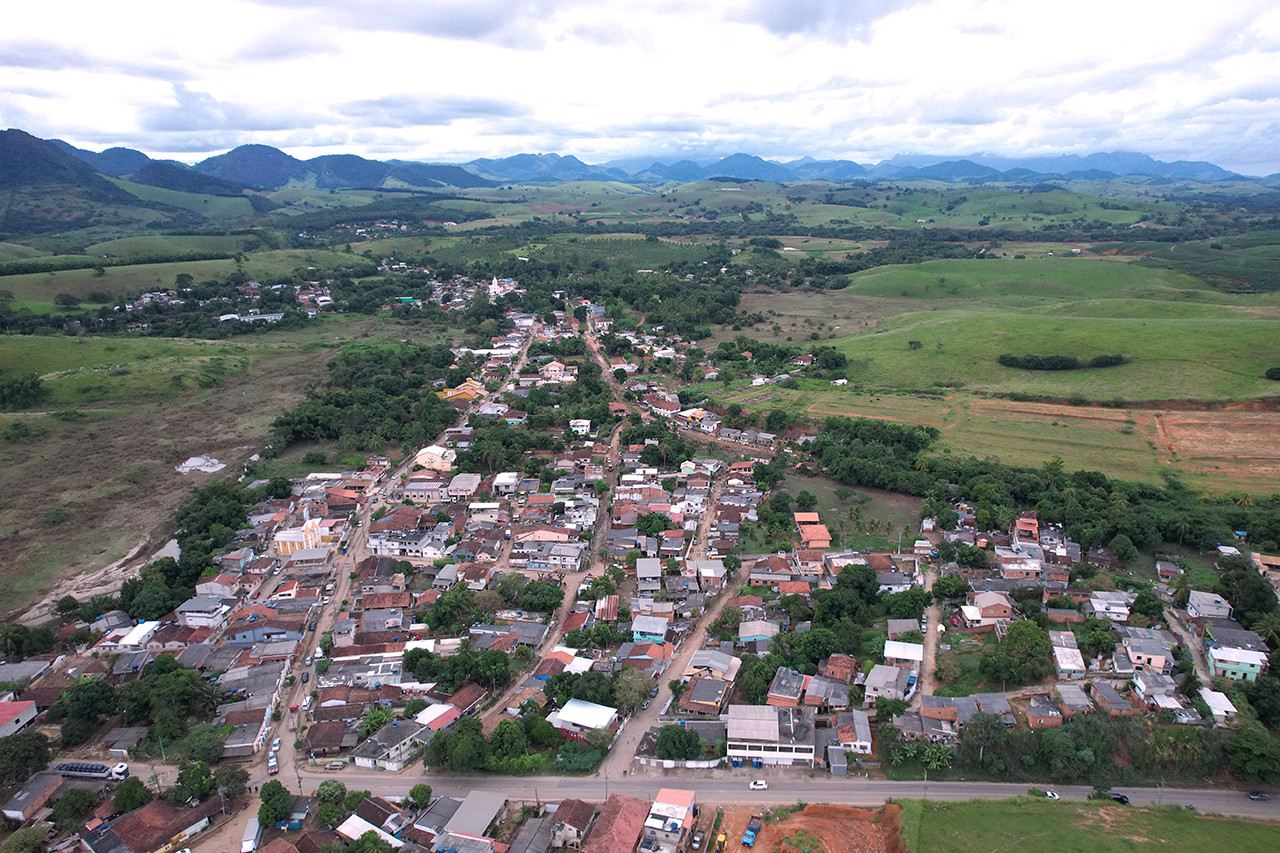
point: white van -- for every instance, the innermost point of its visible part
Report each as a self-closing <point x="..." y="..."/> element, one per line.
<point x="306" y="703"/>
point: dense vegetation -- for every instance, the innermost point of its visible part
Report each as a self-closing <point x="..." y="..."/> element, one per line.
<point x="1058" y="362"/>
<point x="379" y="394"/>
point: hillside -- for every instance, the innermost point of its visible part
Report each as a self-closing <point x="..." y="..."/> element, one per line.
<point x="44" y="189"/>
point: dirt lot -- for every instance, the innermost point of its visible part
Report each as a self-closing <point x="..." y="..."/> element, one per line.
<point x="835" y="829"/>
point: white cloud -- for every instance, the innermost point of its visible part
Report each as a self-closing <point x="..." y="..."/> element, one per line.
<point x="457" y="79"/>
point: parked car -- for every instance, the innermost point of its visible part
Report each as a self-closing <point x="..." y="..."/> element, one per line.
<point x="335" y="765"/>
<point x="1259" y="795"/>
<point x="644" y="706"/>
<point x="653" y="693"/>
<point x="697" y="840"/>
<point x="275" y="745"/>
<point x="1053" y="795"/>
<point x="1119" y="798"/>
<point x="306" y="676"/>
<point x="326" y="599"/>
<point x="307" y="662"/>
<point x="759" y="785"/>
<point x="293" y="708"/>
<point x="311" y="627"/>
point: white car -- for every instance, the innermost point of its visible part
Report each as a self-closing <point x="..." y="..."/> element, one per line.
<point x="307" y="662"/>
<point x="275" y="745"/>
<point x="759" y="785"/>
<point x="326" y="599"/>
<point x="1053" y="795"/>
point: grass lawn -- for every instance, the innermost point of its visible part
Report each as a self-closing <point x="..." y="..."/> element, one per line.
<point x="1027" y="823"/>
<point x="969" y="655"/>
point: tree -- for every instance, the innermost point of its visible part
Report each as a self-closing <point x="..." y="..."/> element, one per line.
<point x="232" y="780"/>
<point x="541" y="596"/>
<point x="1254" y="755"/>
<point x="203" y="743"/>
<point x="131" y="794"/>
<point x="87" y="700"/>
<point x="887" y="709"/>
<point x="420" y="795"/>
<point x="600" y="739"/>
<point x="678" y="743"/>
<point x="72" y="807"/>
<point x="67" y="605"/>
<point x="374" y="718"/>
<point x="331" y="791"/>
<point x="981" y="733"/>
<point x="329" y="814"/>
<point x="194" y="782"/>
<point x="508" y="740"/>
<point x="1123" y="549"/>
<point x="910" y="604"/>
<point x="277" y="802"/>
<point x="653" y="523"/>
<point x="937" y="755"/>
<point x="542" y="733"/>
<point x="806" y="500"/>
<point x="948" y="587"/>
<point x="29" y="840"/>
<point x="631" y="688"/>
<point x="370" y="842"/>
<point x="23" y="755"/>
<point x="947" y="668"/>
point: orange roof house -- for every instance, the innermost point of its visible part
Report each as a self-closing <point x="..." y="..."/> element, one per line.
<point x="815" y="536"/>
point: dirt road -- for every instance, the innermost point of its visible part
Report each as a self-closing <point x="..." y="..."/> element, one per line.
<point x="934" y="615"/>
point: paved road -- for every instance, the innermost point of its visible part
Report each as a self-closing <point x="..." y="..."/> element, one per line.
<point x="785" y="786"/>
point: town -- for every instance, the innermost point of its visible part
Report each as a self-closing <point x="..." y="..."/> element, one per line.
<point x="590" y="610"/>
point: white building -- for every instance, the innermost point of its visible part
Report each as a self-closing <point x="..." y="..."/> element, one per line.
<point x="769" y="735"/>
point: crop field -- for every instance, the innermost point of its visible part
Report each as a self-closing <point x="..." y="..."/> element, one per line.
<point x="1028" y="823"/>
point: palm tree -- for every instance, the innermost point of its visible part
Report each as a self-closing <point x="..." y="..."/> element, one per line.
<point x="1182" y="526"/>
<point x="937" y="756"/>
<point x="1267" y="627"/>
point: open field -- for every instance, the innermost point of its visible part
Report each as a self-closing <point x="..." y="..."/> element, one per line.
<point x="1029" y="824"/>
<point x="94" y="475"/>
<point x="1228" y="450"/>
<point x="868" y="518"/>
<point x="138" y="278"/>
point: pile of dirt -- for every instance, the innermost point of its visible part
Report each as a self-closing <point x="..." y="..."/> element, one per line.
<point x="837" y="829"/>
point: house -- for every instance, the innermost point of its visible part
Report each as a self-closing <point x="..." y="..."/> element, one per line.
<point x="768" y="735"/>
<point x="16" y="716"/>
<point x="648" y="574"/>
<point x="1167" y="572"/>
<point x="853" y="732"/>
<point x="1236" y="664"/>
<point x="35" y="793"/>
<point x="839" y="667"/>
<point x="670" y="821"/>
<point x="618" y="827"/>
<point x="786" y="688"/>
<point x="391" y="747"/>
<point x="894" y="582"/>
<point x="1109" y="700"/>
<point x="815" y="536"/>
<point x="1041" y="714"/>
<point x="436" y="458"/>
<point x="890" y="682"/>
<point x="651" y="629"/>
<point x="571" y="823"/>
<point x="1109" y="605"/>
<point x="1207" y="605"/>
<point x="1219" y="705"/>
<point x="714" y="663"/>
<point x="1072" y="700"/>
<point x="705" y="694"/>
<point x="904" y="655"/>
<point x="463" y="487"/>
<point x="155" y="826"/>
<point x="755" y="630"/>
<point x="1068" y="662"/>
<point x="578" y="717"/>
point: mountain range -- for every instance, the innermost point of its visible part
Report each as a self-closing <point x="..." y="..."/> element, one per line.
<point x="262" y="167"/>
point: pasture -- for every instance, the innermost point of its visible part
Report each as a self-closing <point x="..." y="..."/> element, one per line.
<point x="1232" y="449"/>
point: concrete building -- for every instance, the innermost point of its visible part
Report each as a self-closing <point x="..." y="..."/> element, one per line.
<point x="761" y="735"/>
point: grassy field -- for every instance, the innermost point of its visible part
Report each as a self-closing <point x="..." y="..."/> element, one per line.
<point x="866" y="519"/>
<point x="94" y="475"/>
<point x="138" y="278"/>
<point x="210" y="206"/>
<point x="1027" y="823"/>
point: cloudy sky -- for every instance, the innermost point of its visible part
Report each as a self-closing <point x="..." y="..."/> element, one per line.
<point x="451" y="80"/>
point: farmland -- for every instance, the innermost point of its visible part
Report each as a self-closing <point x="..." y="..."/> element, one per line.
<point x="1038" y="824"/>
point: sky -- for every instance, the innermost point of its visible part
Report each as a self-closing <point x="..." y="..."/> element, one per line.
<point x="454" y="80"/>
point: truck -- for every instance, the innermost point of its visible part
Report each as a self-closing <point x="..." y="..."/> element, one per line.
<point x="753" y="826"/>
<point x="84" y="770"/>
<point x="720" y="842"/>
<point x="252" y="836"/>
